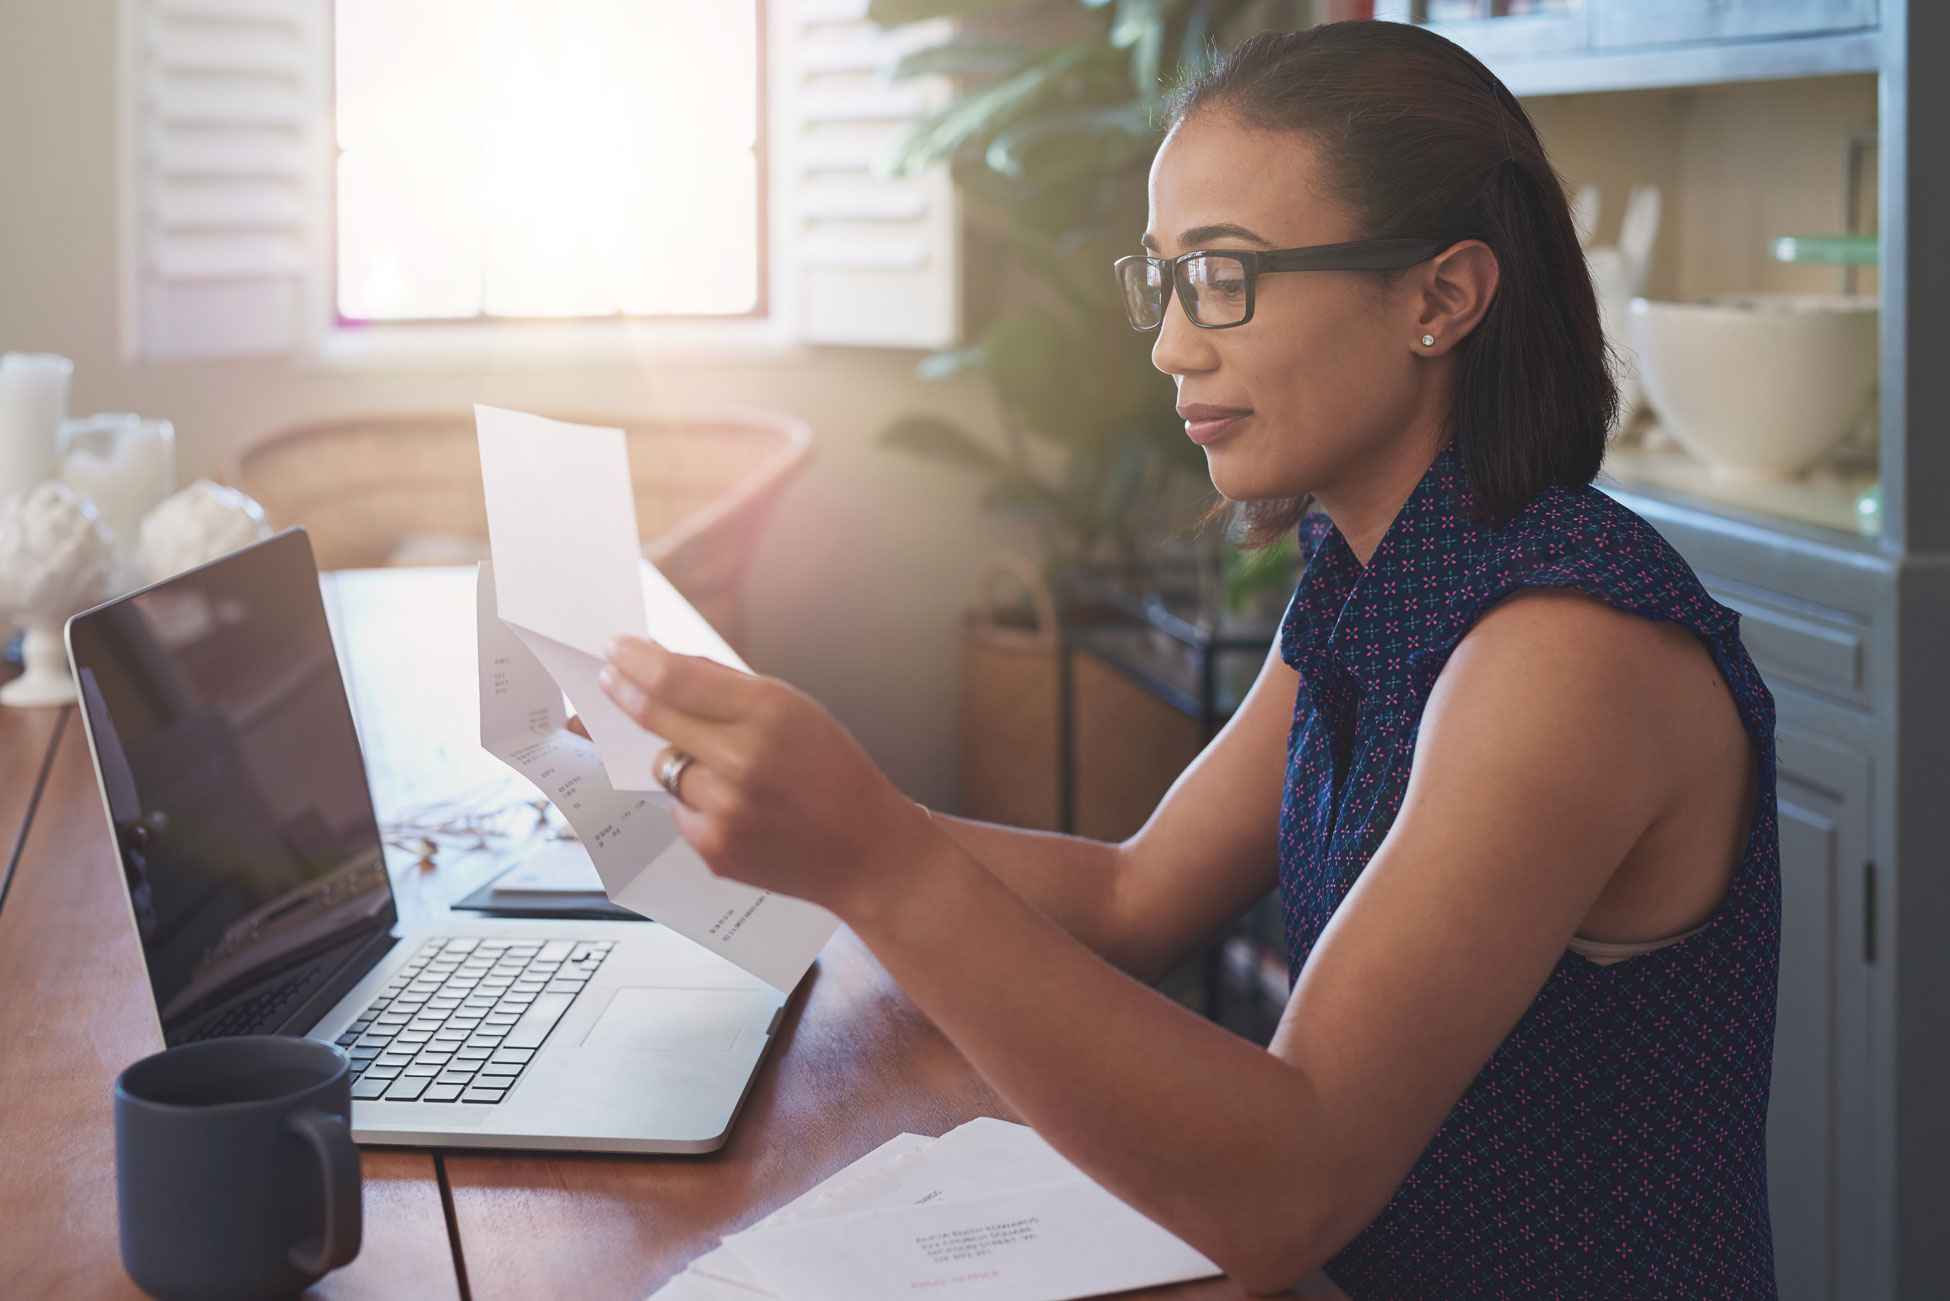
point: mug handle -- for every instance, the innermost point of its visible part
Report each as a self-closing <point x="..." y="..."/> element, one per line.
<point x="338" y="1162"/>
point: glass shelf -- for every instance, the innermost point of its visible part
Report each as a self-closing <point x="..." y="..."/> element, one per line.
<point x="1466" y="11"/>
<point x="1169" y="642"/>
<point x="1825" y="498"/>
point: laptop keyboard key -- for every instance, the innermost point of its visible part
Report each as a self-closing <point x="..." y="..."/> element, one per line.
<point x="442" y="1092"/>
<point x="476" y="1094"/>
<point x="538" y="1020"/>
<point x="407" y="1088"/>
<point x="370" y="1087"/>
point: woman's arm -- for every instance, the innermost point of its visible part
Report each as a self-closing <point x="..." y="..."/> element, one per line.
<point x="1553" y="739"/>
<point x="1206" y="854"/>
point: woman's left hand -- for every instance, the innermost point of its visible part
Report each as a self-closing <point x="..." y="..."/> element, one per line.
<point x="778" y="795"/>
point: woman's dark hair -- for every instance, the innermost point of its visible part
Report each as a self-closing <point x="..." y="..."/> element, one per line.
<point x="1420" y="140"/>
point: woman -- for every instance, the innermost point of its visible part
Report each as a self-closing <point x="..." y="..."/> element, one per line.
<point x="1508" y="764"/>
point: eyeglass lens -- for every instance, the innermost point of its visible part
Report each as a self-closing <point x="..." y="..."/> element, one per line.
<point x="1143" y="283"/>
<point x="1218" y="288"/>
<point x="1213" y="289"/>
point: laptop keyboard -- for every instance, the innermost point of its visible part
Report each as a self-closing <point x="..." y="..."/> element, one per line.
<point x="463" y="1018"/>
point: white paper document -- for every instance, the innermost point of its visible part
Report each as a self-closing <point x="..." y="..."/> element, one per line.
<point x="566" y="576"/>
<point x="569" y="573"/>
<point x="988" y="1210"/>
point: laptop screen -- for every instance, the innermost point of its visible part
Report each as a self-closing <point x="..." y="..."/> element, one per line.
<point x="235" y="787"/>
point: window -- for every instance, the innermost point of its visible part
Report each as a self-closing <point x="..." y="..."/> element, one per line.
<point x="463" y="169"/>
<point x="547" y="158"/>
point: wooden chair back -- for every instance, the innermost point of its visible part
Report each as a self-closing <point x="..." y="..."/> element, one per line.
<point x="380" y="490"/>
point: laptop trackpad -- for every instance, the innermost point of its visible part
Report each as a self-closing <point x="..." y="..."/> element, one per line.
<point x="667" y="1020"/>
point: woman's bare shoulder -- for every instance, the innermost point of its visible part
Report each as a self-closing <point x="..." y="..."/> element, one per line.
<point x="1538" y="627"/>
<point x="1648" y="694"/>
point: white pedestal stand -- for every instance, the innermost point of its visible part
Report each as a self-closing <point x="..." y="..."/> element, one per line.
<point x="47" y="680"/>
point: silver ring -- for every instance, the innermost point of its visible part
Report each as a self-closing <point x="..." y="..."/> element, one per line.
<point x="671" y="771"/>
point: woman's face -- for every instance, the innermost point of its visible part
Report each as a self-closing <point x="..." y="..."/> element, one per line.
<point x="1325" y="378"/>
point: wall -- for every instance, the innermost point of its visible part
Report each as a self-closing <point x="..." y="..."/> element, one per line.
<point x="858" y="583"/>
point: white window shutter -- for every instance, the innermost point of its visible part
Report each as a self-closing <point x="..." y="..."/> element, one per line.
<point x="227" y="139"/>
<point x="867" y="259"/>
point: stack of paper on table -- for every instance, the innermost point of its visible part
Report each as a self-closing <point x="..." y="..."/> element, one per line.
<point x="567" y="576"/>
<point x="988" y="1210"/>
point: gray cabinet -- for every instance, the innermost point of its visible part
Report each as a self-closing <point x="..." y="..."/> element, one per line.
<point x="1673" y="22"/>
<point x="1817" y="1132"/>
<point x="1825" y="654"/>
<point x="1819" y="662"/>
<point x="1578" y="46"/>
<point x="1557" y="29"/>
<point x="1571" y="27"/>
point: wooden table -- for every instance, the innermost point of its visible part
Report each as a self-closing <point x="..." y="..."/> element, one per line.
<point x="854" y="1063"/>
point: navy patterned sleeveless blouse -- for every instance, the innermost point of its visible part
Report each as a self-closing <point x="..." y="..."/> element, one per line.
<point x="1614" y="1145"/>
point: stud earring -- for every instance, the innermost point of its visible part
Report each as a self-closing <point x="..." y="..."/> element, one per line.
<point x="1428" y="341"/>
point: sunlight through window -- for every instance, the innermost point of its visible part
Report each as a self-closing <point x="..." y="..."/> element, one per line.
<point x="547" y="158"/>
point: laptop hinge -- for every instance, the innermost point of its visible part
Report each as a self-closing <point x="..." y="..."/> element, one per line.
<point x="310" y="1011"/>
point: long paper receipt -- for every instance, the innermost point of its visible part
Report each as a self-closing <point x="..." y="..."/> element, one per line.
<point x="566" y="576"/>
<point x="987" y="1211"/>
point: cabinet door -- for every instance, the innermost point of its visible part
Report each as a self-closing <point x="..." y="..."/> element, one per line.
<point x="1668" y="22"/>
<point x="1817" y="1117"/>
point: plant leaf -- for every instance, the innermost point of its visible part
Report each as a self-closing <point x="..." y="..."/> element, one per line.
<point x="1050" y="210"/>
<point x="1034" y="363"/>
<point x="1196" y="50"/>
<point x="1068" y="143"/>
<point x="1021" y="497"/>
<point x="977" y="114"/>
<point x="965" y="57"/>
<point x="941" y="440"/>
<point x="1121" y="482"/>
<point x="1140" y="28"/>
<point x="1135" y="19"/>
<point x="892" y="13"/>
<point x="1266" y="569"/>
<point x="951" y="361"/>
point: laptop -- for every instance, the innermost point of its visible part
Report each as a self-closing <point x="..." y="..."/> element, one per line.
<point x="236" y="793"/>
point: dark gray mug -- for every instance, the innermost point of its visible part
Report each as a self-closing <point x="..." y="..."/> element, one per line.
<point x="235" y="1168"/>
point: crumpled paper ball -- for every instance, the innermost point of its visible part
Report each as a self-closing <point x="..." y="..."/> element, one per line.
<point x="55" y="552"/>
<point x="198" y="524"/>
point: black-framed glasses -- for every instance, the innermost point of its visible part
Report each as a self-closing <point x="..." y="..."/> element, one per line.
<point x="1215" y="286"/>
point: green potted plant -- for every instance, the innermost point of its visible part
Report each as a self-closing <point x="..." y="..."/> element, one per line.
<point x="1050" y="140"/>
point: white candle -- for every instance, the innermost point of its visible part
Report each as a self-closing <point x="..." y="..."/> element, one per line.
<point x="33" y="402"/>
<point x="124" y="464"/>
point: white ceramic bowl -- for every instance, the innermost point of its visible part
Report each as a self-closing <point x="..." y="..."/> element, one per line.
<point x="1757" y="386"/>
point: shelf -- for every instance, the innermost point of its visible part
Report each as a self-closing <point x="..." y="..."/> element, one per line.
<point x="1825" y="501"/>
<point x="1163" y="644"/>
<point x="1690" y="64"/>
